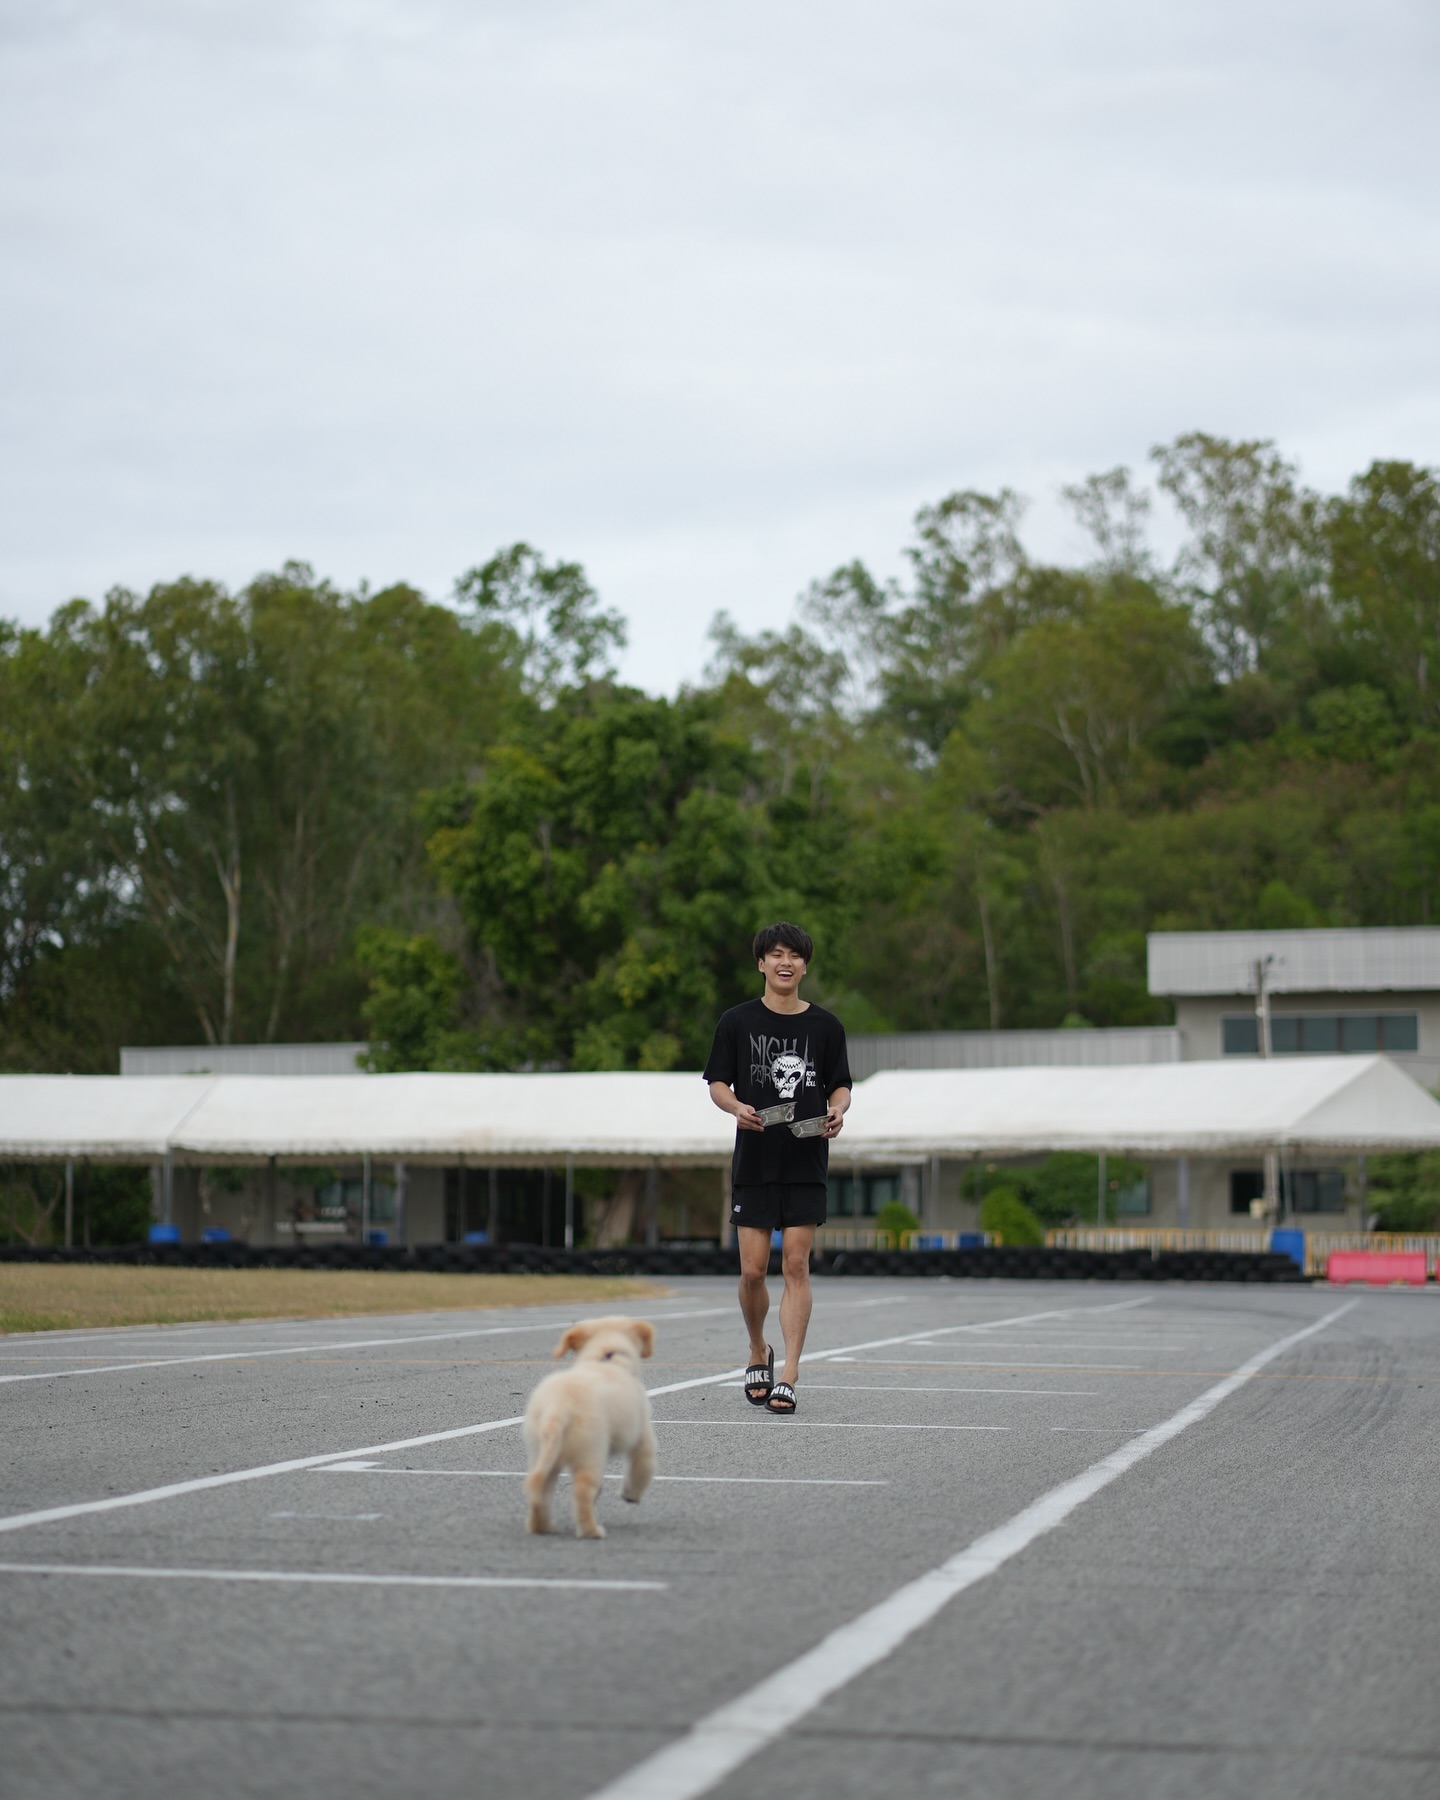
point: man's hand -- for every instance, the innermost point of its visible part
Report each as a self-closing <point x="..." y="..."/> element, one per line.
<point x="727" y="1100"/>
<point x="835" y="1115"/>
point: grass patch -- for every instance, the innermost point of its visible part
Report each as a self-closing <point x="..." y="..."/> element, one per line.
<point x="47" y="1297"/>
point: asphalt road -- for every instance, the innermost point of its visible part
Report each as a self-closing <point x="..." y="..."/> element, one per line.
<point x="1244" y="1603"/>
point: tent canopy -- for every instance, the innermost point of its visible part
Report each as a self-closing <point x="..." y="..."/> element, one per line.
<point x="1345" y="1105"/>
<point x="508" y="1119"/>
<point x="1338" y="1104"/>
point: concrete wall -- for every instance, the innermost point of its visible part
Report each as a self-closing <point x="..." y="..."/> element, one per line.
<point x="1198" y="1022"/>
<point x="951" y="1205"/>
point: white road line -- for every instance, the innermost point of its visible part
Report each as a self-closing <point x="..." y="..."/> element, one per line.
<point x="428" y="1337"/>
<point x="823" y="1425"/>
<point x="733" y="1733"/>
<point x="552" y="1324"/>
<point x="519" y="1475"/>
<point x="323" y="1578"/>
<point x="1067" y="1344"/>
<point x="1019" y="1368"/>
<point x="875" y="1387"/>
<point x="174" y="1490"/>
<point x="334" y="1518"/>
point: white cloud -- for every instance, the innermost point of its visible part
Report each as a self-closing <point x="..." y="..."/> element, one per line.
<point x="709" y="299"/>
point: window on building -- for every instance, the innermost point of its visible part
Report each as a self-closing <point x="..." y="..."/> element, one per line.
<point x="1246" y="1185"/>
<point x="1302" y="1190"/>
<point x="1132" y="1202"/>
<point x="1322" y="1034"/>
<point x="861" y="1196"/>
<point x="343" y="1201"/>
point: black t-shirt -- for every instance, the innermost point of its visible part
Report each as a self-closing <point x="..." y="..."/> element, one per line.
<point x="767" y="1057"/>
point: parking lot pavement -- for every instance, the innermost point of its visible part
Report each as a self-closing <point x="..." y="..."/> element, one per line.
<point x="300" y="1566"/>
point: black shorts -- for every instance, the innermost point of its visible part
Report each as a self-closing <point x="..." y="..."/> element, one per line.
<point x="775" y="1204"/>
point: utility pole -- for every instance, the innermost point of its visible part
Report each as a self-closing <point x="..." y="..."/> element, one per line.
<point x="1262" y="967"/>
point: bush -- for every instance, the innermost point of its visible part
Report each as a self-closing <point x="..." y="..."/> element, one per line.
<point x="1405" y="1191"/>
<point x="1006" y="1216"/>
<point x="896" y="1218"/>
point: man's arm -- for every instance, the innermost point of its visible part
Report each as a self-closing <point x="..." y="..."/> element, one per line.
<point x="729" y="1101"/>
<point x="835" y="1115"/>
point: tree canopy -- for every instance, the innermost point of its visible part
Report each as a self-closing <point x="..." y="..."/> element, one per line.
<point x="293" y="812"/>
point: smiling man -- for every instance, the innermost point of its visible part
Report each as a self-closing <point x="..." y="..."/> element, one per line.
<point x="782" y="1056"/>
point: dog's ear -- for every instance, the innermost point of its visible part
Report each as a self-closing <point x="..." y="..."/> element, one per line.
<point x="573" y="1339"/>
<point x="643" y="1333"/>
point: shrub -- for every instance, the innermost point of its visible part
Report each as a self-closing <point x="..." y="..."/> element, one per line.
<point x="1006" y="1216"/>
<point x="895" y="1218"/>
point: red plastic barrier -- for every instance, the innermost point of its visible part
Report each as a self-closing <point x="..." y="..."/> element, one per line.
<point x="1378" y="1267"/>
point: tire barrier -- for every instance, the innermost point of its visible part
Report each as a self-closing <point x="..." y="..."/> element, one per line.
<point x="997" y="1261"/>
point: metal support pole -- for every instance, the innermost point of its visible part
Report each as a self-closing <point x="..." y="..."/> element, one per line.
<point x="1182" y="1192"/>
<point x="492" y="1208"/>
<point x="401" y="1223"/>
<point x="167" y="1188"/>
<point x="69" y="1204"/>
<point x="569" y="1202"/>
<point x="545" y="1211"/>
<point x="271" y="1235"/>
<point x="1362" y="1191"/>
<point x="1100" y="1193"/>
<point x="652" y="1206"/>
<point x="931" y="1210"/>
<point x="365" y="1199"/>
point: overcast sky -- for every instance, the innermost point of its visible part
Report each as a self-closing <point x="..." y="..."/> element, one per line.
<point x="709" y="298"/>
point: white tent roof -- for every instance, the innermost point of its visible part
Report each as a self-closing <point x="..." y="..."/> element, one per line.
<point x="597" y="1117"/>
<point x="1343" y="1104"/>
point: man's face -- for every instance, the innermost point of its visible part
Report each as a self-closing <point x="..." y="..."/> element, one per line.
<point x="783" y="969"/>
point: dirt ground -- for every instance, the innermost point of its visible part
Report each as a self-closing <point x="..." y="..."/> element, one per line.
<point x="46" y="1297"/>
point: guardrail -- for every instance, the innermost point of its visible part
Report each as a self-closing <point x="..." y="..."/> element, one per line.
<point x="1159" y="1237"/>
<point x="868" y="1237"/>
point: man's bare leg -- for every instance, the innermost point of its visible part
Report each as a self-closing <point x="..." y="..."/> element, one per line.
<point x="754" y="1295"/>
<point x="796" y="1301"/>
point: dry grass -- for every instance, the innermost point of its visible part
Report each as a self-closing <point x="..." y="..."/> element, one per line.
<point x="47" y="1297"/>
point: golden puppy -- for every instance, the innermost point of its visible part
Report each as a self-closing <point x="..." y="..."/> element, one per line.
<point x="579" y="1416"/>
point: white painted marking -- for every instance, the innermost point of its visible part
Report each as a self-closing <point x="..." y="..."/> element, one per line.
<point x="174" y="1490"/>
<point x="1059" y="1344"/>
<point x="1019" y="1368"/>
<point x="427" y="1337"/>
<point x="723" y="1740"/>
<point x="875" y="1387"/>
<point x="121" y="1572"/>
<point x="519" y="1475"/>
<point x="824" y="1425"/>
<point x="337" y="1518"/>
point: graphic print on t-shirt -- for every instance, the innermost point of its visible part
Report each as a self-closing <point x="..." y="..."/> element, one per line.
<point x="782" y="1063"/>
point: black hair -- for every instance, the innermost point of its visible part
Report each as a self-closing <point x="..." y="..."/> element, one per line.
<point x="791" y="936"/>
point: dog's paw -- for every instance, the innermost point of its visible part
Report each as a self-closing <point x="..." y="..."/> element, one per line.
<point x="539" y="1524"/>
<point x="595" y="1531"/>
<point x="633" y="1499"/>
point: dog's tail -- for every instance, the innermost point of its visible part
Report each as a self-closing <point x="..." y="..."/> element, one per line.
<point x="547" y="1454"/>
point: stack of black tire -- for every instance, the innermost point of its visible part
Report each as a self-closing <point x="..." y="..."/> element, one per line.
<point x="997" y="1261"/>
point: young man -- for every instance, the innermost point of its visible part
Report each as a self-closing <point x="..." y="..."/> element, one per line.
<point x="773" y="1052"/>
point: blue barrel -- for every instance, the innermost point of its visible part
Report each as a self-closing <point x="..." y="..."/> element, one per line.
<point x="777" y="1240"/>
<point x="929" y="1240"/>
<point x="214" y="1234"/>
<point x="1291" y="1244"/>
<point x="164" y="1234"/>
<point x="378" y="1237"/>
<point x="476" y="1237"/>
<point x="972" y="1240"/>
